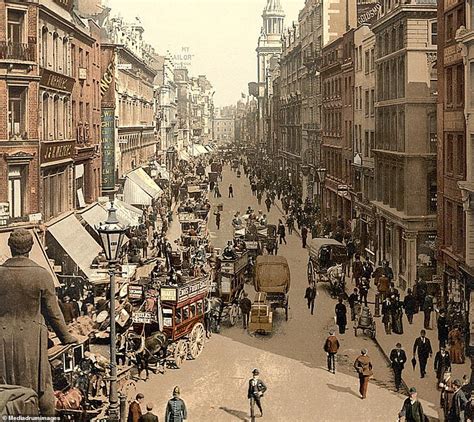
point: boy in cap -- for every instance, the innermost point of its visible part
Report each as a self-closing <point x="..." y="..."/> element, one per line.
<point x="176" y="408"/>
<point x="255" y="392"/>
<point x="412" y="411"/>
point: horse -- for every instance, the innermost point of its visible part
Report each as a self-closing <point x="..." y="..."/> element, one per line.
<point x="335" y="275"/>
<point x="152" y="349"/>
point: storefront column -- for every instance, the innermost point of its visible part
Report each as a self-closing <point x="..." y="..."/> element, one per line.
<point x="395" y="252"/>
<point x="410" y="239"/>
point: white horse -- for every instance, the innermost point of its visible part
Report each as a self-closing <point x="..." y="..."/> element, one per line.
<point x="335" y="275"/>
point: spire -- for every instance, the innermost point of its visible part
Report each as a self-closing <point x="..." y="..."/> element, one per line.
<point x="273" y="7"/>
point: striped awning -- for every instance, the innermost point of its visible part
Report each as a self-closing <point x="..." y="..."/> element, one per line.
<point x="139" y="188"/>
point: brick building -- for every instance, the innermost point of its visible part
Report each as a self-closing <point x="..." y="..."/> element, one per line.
<point x="19" y="92"/>
<point x="405" y="138"/>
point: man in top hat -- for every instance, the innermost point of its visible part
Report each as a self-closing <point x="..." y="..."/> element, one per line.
<point x="423" y="346"/>
<point x="255" y="392"/>
<point x="412" y="411"/>
<point x="27" y="303"/>
<point x="176" y="408"/>
<point x="398" y="358"/>
<point x="442" y="363"/>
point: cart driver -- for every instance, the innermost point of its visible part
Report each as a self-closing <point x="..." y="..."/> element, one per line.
<point x="237" y="221"/>
<point x="229" y="252"/>
<point x="324" y="257"/>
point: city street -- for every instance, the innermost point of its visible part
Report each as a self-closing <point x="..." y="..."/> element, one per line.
<point x="291" y="360"/>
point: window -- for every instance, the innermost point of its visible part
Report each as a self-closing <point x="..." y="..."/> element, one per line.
<point x="460" y="84"/>
<point x="449" y="27"/>
<point x="434" y="33"/>
<point x="460" y="235"/>
<point x="449" y="86"/>
<point x="449" y="153"/>
<point x="56" y="120"/>
<point x="367" y="105"/>
<point x="17" y="111"/>
<point x="56" y="196"/>
<point x="372" y="102"/>
<point x="15" y="26"/>
<point x="55" y="51"/>
<point x="45" y="116"/>
<point x="16" y="190"/>
<point x="65" y="56"/>
<point x="44" y="47"/>
<point x="460" y="156"/>
<point x="367" y="62"/>
<point x="73" y="61"/>
<point x="448" y="221"/>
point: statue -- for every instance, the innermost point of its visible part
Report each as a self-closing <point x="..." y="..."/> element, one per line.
<point x="27" y="302"/>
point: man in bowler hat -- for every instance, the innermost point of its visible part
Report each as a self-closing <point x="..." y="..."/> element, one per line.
<point x="423" y="346"/>
<point x="398" y="358"/>
<point x="255" y="392"/>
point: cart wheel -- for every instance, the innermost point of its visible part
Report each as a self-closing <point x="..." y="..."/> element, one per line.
<point x="196" y="340"/>
<point x="180" y="352"/>
<point x="233" y="313"/>
<point x="129" y="388"/>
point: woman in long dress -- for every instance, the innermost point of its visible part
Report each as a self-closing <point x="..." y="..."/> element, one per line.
<point x="456" y="346"/>
<point x="397" y="314"/>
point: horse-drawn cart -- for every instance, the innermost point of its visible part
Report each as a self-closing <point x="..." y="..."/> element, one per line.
<point x="327" y="262"/>
<point x="272" y="277"/>
<point x="364" y="321"/>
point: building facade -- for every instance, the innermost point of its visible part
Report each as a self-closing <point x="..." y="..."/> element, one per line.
<point x="405" y="139"/>
<point x="364" y="138"/>
<point x="224" y="129"/>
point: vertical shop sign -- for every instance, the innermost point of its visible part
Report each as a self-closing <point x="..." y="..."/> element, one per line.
<point x="108" y="148"/>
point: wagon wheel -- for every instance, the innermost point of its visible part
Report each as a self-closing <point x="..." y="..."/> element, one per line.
<point x="310" y="272"/>
<point x="180" y="352"/>
<point x="233" y="314"/>
<point x="196" y="340"/>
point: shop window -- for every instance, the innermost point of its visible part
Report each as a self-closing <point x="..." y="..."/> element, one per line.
<point x="16" y="190"/>
<point x="15" y="20"/>
<point x="56" y="195"/>
<point x="17" y="111"/>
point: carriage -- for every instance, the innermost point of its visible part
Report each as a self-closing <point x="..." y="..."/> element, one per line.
<point x="272" y="277"/>
<point x="182" y="309"/>
<point x="229" y="286"/>
<point x="327" y="262"/>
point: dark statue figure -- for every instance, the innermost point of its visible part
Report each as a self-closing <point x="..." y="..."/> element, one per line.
<point x="27" y="303"/>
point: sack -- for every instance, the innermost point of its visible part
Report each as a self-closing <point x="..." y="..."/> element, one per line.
<point x="70" y="400"/>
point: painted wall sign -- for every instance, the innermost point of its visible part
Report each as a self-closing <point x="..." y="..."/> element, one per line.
<point x="55" y="151"/>
<point x="107" y="78"/>
<point x="108" y="148"/>
<point x="55" y="80"/>
<point x="367" y="12"/>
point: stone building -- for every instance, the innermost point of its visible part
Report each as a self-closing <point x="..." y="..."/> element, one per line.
<point x="291" y="71"/>
<point x="168" y="104"/>
<point x="405" y="138"/>
<point x="268" y="50"/>
<point x="456" y="157"/>
<point x="181" y="77"/>
<point x="127" y="88"/>
<point x="364" y="138"/>
<point x="224" y="129"/>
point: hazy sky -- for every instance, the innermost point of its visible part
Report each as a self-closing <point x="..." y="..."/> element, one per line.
<point x="221" y="34"/>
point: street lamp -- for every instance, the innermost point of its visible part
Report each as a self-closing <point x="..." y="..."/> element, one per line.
<point x="111" y="236"/>
<point x="321" y="172"/>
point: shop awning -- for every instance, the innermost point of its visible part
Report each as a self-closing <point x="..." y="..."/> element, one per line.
<point x="163" y="173"/>
<point x="37" y="254"/>
<point x="196" y="150"/>
<point x="77" y="243"/>
<point x="98" y="213"/>
<point x="183" y="155"/>
<point x="140" y="189"/>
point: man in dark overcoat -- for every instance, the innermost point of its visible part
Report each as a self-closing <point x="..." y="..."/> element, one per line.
<point x="27" y="303"/>
<point x="398" y="359"/>
<point x="423" y="346"/>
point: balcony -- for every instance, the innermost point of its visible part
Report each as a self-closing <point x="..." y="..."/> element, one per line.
<point x="17" y="51"/>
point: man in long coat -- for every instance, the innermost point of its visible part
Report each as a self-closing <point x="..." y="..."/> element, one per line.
<point x="27" y="302"/>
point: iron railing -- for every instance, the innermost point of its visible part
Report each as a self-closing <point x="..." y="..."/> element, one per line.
<point x="17" y="51"/>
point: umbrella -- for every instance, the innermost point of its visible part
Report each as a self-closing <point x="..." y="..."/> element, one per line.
<point x="413" y="363"/>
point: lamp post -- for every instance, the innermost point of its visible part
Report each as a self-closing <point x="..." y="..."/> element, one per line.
<point x="111" y="236"/>
<point x="321" y="171"/>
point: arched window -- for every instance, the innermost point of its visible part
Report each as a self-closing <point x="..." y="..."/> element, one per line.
<point x="55" y="51"/>
<point x="65" y="56"/>
<point x="56" y="116"/>
<point x="44" y="47"/>
<point x="45" y="116"/>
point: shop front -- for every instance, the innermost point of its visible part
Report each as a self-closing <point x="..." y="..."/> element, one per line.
<point x="57" y="171"/>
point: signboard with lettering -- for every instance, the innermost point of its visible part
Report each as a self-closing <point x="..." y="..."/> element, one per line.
<point x="135" y="292"/>
<point x="108" y="148"/>
<point x="107" y="78"/>
<point x="50" y="79"/>
<point x="367" y="12"/>
<point x="143" y="318"/>
<point x="168" y="294"/>
<point x="189" y="290"/>
<point x="452" y="54"/>
<point x="56" y="151"/>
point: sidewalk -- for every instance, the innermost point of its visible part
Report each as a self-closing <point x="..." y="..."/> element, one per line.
<point x="426" y="387"/>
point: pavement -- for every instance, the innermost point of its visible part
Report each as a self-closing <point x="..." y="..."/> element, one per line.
<point x="291" y="360"/>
